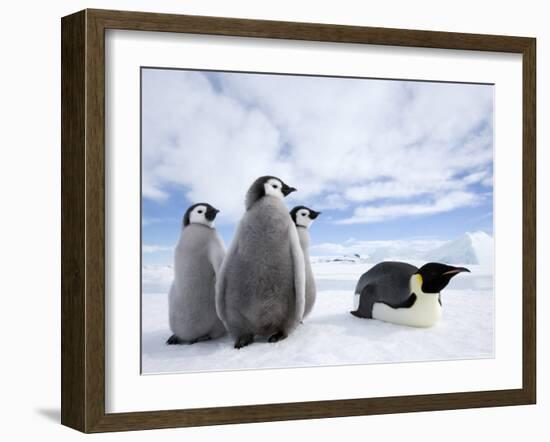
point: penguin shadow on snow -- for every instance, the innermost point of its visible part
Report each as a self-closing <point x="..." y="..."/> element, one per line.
<point x="157" y="340"/>
<point x="353" y="327"/>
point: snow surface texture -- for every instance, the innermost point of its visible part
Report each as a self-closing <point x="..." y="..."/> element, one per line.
<point x="330" y="335"/>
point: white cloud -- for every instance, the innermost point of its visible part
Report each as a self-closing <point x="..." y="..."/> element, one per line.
<point x="397" y="189"/>
<point x="379" y="250"/>
<point x="488" y="181"/>
<point x="340" y="142"/>
<point x="152" y="248"/>
<point x="148" y="221"/>
<point x="333" y="201"/>
<point x="207" y="143"/>
<point x="444" y="203"/>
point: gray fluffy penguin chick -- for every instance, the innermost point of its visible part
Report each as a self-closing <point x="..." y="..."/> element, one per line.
<point x="197" y="260"/>
<point x="303" y="217"/>
<point x="260" y="291"/>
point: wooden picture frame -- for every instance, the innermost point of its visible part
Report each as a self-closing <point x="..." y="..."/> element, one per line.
<point x="83" y="220"/>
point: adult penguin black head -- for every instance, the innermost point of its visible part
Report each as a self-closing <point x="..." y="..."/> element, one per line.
<point x="267" y="185"/>
<point x="435" y="276"/>
<point x="303" y="216"/>
<point x="200" y="213"/>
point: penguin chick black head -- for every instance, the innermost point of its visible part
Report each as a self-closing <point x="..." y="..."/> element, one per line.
<point x="434" y="277"/>
<point x="200" y="213"/>
<point x="303" y="216"/>
<point x="267" y="186"/>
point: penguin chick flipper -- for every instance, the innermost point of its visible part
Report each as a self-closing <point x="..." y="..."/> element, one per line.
<point x="299" y="269"/>
<point x="174" y="340"/>
<point x="276" y="337"/>
<point x="244" y="340"/>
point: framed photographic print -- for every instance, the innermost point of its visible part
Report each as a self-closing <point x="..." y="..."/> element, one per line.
<point x="270" y="220"/>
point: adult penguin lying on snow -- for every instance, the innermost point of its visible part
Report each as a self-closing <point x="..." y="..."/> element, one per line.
<point x="403" y="294"/>
<point x="261" y="286"/>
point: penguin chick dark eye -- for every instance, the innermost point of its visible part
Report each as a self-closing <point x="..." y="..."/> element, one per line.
<point x="200" y="211"/>
<point x="274" y="186"/>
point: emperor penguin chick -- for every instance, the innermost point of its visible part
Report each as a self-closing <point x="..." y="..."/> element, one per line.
<point x="260" y="291"/>
<point x="403" y="294"/>
<point x="303" y="217"/>
<point x="197" y="260"/>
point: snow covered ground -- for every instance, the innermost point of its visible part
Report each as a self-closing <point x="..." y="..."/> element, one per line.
<point x="330" y="335"/>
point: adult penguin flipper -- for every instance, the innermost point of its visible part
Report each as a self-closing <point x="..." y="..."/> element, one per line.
<point x="367" y="298"/>
<point x="299" y="272"/>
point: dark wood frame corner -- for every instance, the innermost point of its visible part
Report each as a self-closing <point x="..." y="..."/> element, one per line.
<point x="83" y="220"/>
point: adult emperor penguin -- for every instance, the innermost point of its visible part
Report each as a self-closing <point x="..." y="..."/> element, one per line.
<point x="197" y="259"/>
<point x="303" y="217"/>
<point x="260" y="291"/>
<point x="402" y="293"/>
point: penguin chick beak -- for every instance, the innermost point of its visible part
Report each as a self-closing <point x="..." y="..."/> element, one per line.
<point x="313" y="214"/>
<point x="211" y="213"/>
<point x="455" y="271"/>
<point x="287" y="189"/>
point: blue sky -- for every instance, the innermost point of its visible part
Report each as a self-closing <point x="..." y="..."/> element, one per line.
<point x="382" y="159"/>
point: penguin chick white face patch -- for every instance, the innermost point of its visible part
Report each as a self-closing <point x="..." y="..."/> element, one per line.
<point x="274" y="187"/>
<point x="198" y="216"/>
<point x="303" y="219"/>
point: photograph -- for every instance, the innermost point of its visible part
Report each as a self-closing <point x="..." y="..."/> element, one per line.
<point x="307" y="221"/>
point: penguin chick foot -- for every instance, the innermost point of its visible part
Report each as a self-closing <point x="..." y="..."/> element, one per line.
<point x="174" y="340"/>
<point x="244" y="340"/>
<point x="276" y="337"/>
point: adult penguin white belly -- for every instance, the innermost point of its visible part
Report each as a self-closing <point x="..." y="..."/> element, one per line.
<point x="401" y="293"/>
<point x="260" y="291"/>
